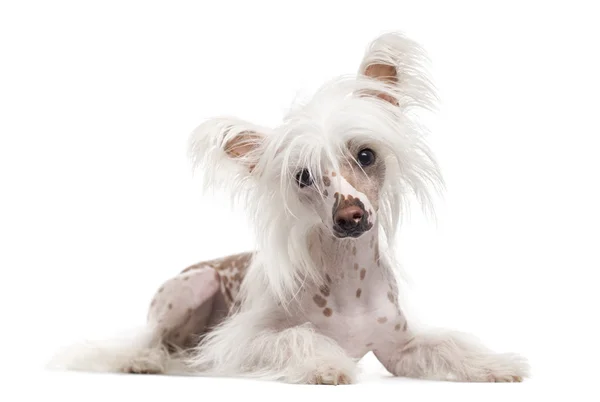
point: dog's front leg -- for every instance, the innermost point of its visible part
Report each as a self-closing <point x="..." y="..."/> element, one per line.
<point x="245" y="346"/>
<point x="449" y="356"/>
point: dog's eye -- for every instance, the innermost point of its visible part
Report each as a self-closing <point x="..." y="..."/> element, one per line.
<point x="366" y="157"/>
<point x="304" y="178"/>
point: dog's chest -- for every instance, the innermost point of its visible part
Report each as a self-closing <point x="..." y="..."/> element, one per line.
<point x="357" y="307"/>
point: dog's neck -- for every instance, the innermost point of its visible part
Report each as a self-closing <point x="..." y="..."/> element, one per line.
<point x="335" y="256"/>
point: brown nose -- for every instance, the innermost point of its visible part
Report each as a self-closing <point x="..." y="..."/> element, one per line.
<point x="349" y="217"/>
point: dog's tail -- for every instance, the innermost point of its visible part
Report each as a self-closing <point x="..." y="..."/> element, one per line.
<point x="137" y="351"/>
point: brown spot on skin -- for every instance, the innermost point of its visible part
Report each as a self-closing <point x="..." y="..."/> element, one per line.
<point x="242" y="260"/>
<point x="397" y="327"/>
<point x="391" y="297"/>
<point x="186" y="278"/>
<point x="404" y="326"/>
<point x="191" y="267"/>
<point x="161" y="289"/>
<point x="153" y="303"/>
<point x="355" y="266"/>
<point x="358" y="292"/>
<point x="327" y="312"/>
<point x="170" y="306"/>
<point x="354" y="250"/>
<point x="326" y="193"/>
<point x="319" y="300"/>
<point x="369" y="344"/>
<point x="363" y="272"/>
<point x="382" y="320"/>
<point x="333" y="174"/>
<point x="328" y="278"/>
<point x="325" y="290"/>
<point x="326" y="181"/>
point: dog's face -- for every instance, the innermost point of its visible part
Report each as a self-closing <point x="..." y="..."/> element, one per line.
<point x="345" y="197"/>
<point x="338" y="160"/>
<point x="323" y="174"/>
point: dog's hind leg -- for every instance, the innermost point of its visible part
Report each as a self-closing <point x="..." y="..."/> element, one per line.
<point x="182" y="309"/>
<point x="183" y="306"/>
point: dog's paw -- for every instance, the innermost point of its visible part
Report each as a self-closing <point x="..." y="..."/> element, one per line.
<point x="146" y="363"/>
<point x="141" y="370"/>
<point x="502" y="368"/>
<point x="504" y="378"/>
<point x="329" y="375"/>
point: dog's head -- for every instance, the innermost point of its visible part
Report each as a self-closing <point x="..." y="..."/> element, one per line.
<point x="344" y="160"/>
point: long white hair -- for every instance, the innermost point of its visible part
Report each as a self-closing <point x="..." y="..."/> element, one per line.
<point x="310" y="137"/>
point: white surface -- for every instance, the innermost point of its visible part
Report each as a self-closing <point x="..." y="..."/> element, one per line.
<point x="98" y="206"/>
<point x="374" y="385"/>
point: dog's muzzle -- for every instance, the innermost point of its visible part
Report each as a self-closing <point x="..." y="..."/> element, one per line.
<point x="350" y="221"/>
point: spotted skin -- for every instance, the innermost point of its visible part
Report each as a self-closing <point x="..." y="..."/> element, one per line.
<point x="198" y="298"/>
<point x="356" y="304"/>
<point x="231" y="270"/>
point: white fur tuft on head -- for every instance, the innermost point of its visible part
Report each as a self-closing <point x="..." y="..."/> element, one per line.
<point x="400" y="61"/>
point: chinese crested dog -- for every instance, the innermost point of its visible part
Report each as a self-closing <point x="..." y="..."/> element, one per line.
<point x="325" y="191"/>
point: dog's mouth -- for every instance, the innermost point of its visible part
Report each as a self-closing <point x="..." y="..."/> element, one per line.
<point x="354" y="233"/>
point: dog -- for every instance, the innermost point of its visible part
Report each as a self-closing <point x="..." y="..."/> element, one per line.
<point x="325" y="191"/>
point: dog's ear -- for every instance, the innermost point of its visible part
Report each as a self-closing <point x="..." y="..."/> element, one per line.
<point x="243" y="147"/>
<point x="395" y="61"/>
<point x="227" y="146"/>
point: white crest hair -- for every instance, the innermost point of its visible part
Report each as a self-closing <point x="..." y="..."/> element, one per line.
<point x="311" y="136"/>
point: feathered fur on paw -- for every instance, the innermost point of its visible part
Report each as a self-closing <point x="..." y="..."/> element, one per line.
<point x="499" y="368"/>
<point x="330" y="376"/>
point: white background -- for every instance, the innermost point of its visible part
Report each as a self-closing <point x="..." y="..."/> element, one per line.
<point x="98" y="204"/>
